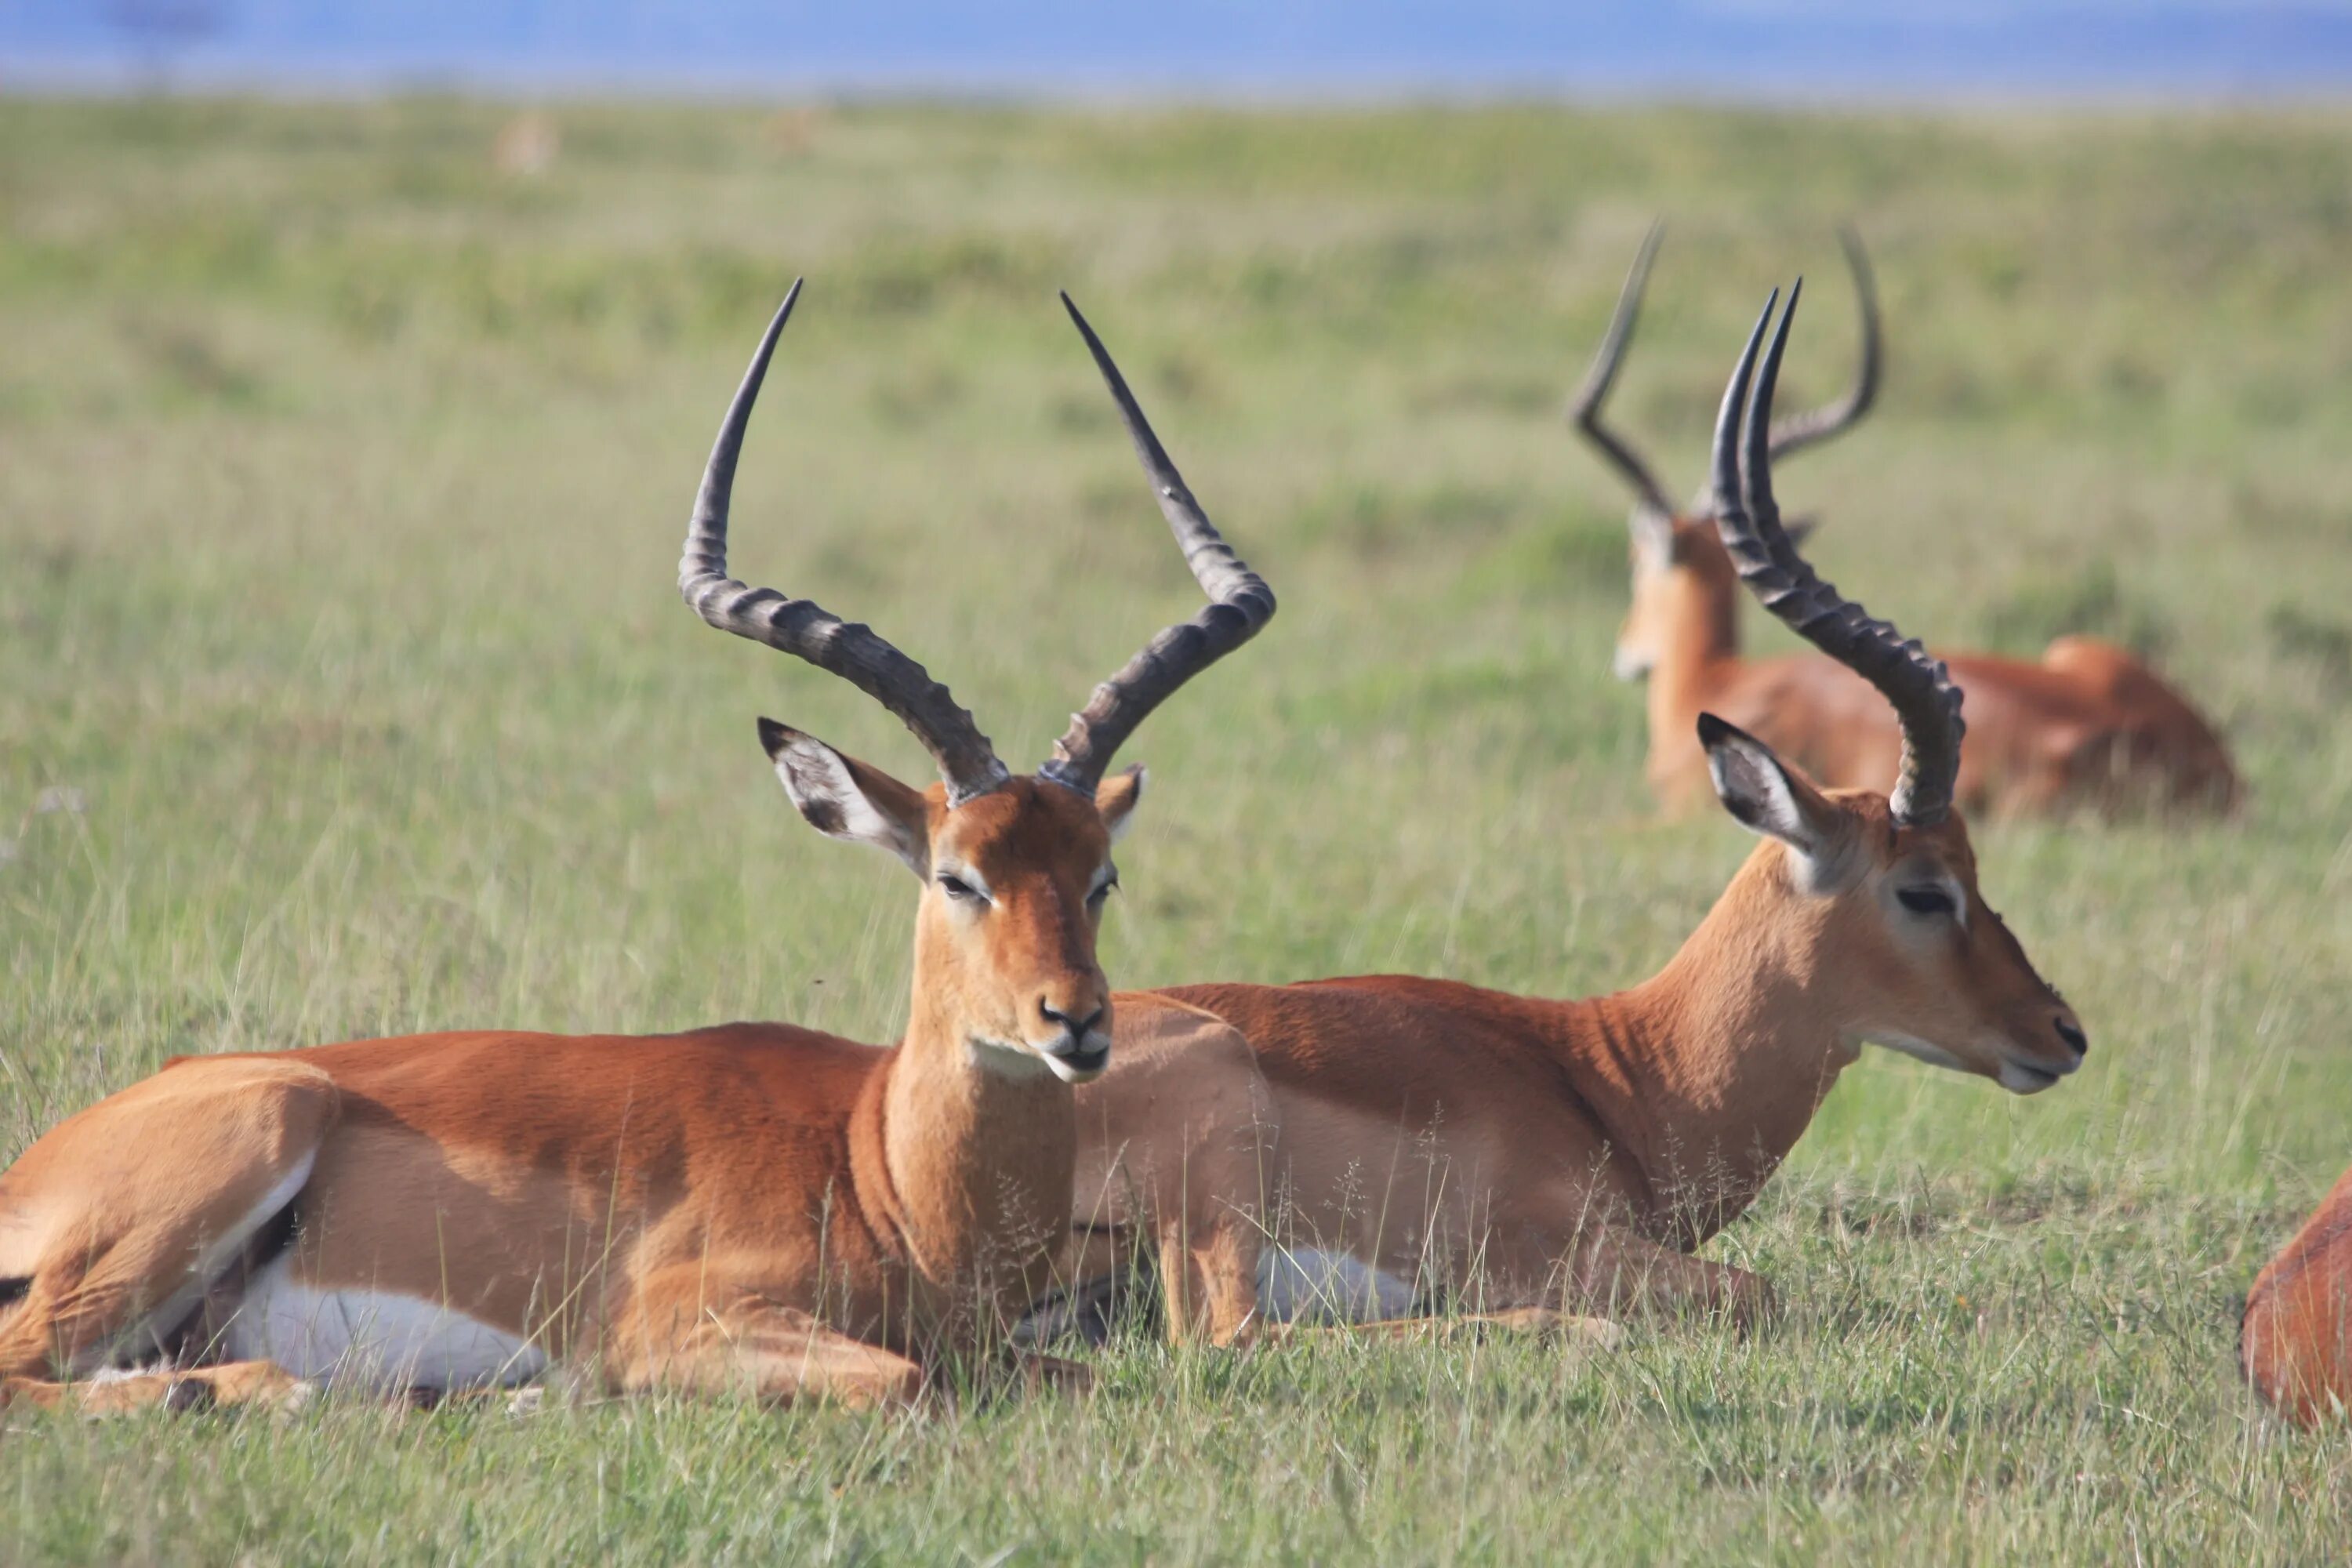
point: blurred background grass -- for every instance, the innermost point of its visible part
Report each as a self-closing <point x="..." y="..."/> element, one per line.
<point x="344" y="691"/>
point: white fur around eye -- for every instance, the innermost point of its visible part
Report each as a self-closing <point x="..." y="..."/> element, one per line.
<point x="971" y="878"/>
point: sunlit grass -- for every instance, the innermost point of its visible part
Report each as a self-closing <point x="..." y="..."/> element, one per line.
<point x="344" y="691"/>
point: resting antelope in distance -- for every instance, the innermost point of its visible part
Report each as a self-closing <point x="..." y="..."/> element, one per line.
<point x="2087" y="724"/>
<point x="752" y="1205"/>
<point x="1387" y="1144"/>
<point x="2294" y="1344"/>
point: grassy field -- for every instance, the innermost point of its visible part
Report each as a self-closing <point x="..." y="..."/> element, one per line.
<point x="344" y="691"/>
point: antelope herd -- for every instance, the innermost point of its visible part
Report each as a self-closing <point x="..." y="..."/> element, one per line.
<point x="763" y="1208"/>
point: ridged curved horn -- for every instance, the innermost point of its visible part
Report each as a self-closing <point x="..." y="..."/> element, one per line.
<point x="1919" y="689"/>
<point x="1799" y="431"/>
<point x="1584" y="408"/>
<point x="1239" y="604"/>
<point x="805" y="629"/>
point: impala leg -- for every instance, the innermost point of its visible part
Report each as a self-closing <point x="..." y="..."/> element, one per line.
<point x="1513" y="1290"/>
<point x="1190" y="1139"/>
<point x="690" y="1336"/>
<point x="232" y="1384"/>
<point x="1210" y="1280"/>
<point x="1614" y="1274"/>
<point x="1621" y="1274"/>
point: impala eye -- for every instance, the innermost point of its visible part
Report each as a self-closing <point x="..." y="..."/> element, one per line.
<point x="1928" y="901"/>
<point x="956" y="887"/>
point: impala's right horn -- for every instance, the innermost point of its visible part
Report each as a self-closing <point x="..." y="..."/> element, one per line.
<point x="1919" y="686"/>
<point x="1239" y="604"/>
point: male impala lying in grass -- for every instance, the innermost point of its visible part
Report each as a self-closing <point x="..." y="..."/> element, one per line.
<point x="752" y="1206"/>
<point x="1406" y="1143"/>
<point x="2089" y="723"/>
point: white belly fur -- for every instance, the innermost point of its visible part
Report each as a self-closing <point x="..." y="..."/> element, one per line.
<point x="372" y="1339"/>
<point x="1307" y="1284"/>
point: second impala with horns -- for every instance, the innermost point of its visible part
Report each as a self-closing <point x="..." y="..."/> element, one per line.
<point x="2087" y="724"/>
<point x="753" y="1205"/>
<point x="1385" y="1143"/>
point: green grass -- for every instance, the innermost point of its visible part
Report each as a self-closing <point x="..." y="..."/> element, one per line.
<point x="341" y="480"/>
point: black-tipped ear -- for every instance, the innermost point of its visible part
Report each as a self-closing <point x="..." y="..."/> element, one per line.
<point x="842" y="797"/>
<point x="1767" y="796"/>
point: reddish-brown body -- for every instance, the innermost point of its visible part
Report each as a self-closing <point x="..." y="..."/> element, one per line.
<point x="628" y="1158"/>
<point x="2296" y="1343"/>
<point x="1517" y="1153"/>
<point x="559" y="1182"/>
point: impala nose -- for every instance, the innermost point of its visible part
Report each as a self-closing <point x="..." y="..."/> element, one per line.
<point x="2071" y="1032"/>
<point x="1075" y="1029"/>
<point x="1081" y="1048"/>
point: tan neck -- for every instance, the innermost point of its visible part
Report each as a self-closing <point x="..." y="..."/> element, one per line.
<point x="979" y="1149"/>
<point x="1698" y="651"/>
<point x="1731" y="1044"/>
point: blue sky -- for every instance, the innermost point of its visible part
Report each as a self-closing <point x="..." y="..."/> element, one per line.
<point x="1735" y="47"/>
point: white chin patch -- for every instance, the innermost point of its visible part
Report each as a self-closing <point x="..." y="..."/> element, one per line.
<point x="1083" y="1069"/>
<point x="1933" y="1055"/>
<point x="1009" y="1061"/>
<point x="1028" y="1061"/>
<point x="2020" y="1080"/>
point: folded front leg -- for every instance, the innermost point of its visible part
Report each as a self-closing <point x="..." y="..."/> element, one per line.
<point x="232" y="1384"/>
<point x="685" y="1334"/>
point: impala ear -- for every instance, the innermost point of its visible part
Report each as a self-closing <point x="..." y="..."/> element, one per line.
<point x="845" y="798"/>
<point x="1771" y="798"/>
<point x="1117" y="798"/>
<point x="1654" y="536"/>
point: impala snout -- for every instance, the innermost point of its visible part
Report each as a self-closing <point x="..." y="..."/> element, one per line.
<point x="1074" y="1037"/>
<point x="2057" y="1052"/>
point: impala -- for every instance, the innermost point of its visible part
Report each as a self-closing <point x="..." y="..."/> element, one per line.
<point x="752" y="1205"/>
<point x="2296" y="1342"/>
<point x="2088" y="724"/>
<point x="1384" y="1143"/>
